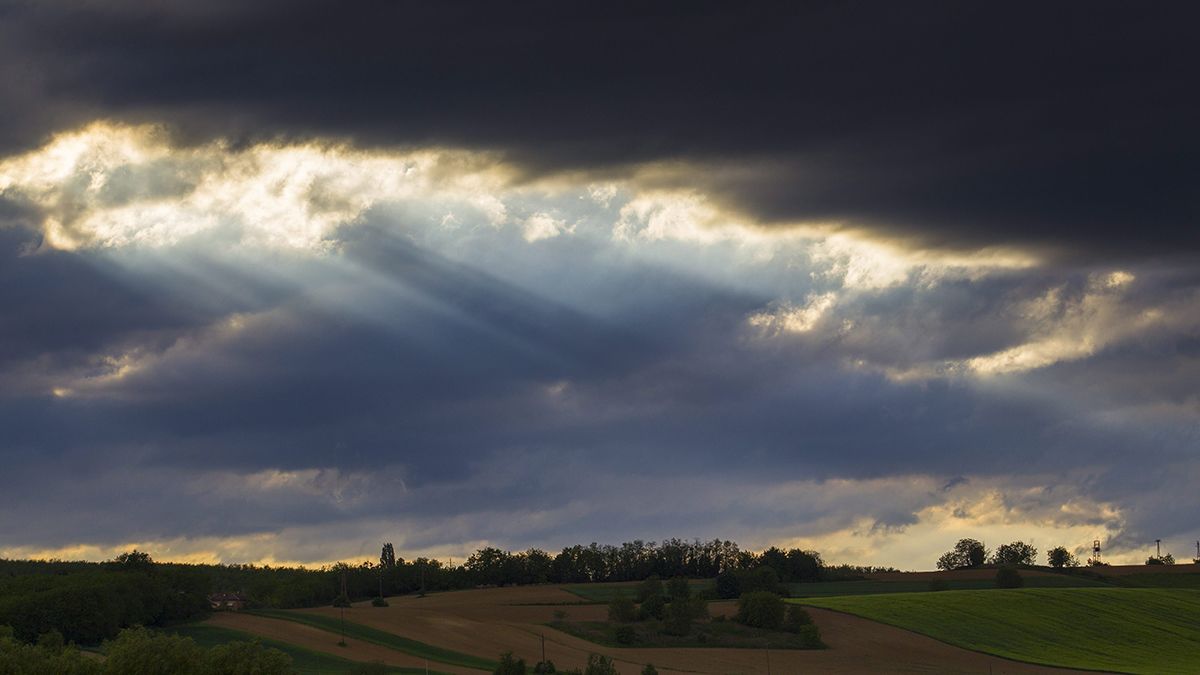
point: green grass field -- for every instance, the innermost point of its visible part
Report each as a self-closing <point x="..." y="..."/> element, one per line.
<point x="1158" y="581"/>
<point x="822" y="589"/>
<point x="1132" y="630"/>
<point x="379" y="637"/>
<point x="306" y="662"/>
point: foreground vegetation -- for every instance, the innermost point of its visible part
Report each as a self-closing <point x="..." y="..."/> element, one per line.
<point x="90" y="602"/>
<point x="675" y="615"/>
<point x="141" y="651"/>
<point x="1114" y="629"/>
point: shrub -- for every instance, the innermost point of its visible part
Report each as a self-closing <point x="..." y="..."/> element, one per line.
<point x="699" y="605"/>
<point x="379" y="602"/>
<point x="649" y="588"/>
<point x="341" y="601"/>
<point x="544" y="668"/>
<point x="761" y="609"/>
<point x="649" y="669"/>
<point x="810" y="637"/>
<point x="729" y="585"/>
<point x="679" y="617"/>
<point x="654" y="607"/>
<point x="18" y="657"/>
<point x="678" y="589"/>
<point x="1007" y="577"/>
<point x="796" y="619"/>
<point x="622" y="610"/>
<point x="137" y="650"/>
<point x="510" y="665"/>
<point x="600" y="665"/>
<point x="560" y="615"/>
<point x="625" y="635"/>
<point x="249" y="657"/>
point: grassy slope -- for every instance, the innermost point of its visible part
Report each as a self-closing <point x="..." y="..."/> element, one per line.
<point x="307" y="662"/>
<point x="379" y="637"/>
<point x="822" y="589"/>
<point x="1158" y="581"/>
<point x="1122" y="629"/>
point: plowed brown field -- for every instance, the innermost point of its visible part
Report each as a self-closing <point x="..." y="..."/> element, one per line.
<point x="488" y="622"/>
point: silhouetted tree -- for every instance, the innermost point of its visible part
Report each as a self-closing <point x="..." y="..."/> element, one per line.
<point x="1059" y="557"/>
<point x="1016" y="553"/>
<point x="966" y="553"/>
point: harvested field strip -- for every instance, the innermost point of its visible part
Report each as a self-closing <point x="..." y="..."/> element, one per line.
<point x="1112" y="629"/>
<point x="822" y="589"/>
<point x="382" y="638"/>
<point x="306" y="662"/>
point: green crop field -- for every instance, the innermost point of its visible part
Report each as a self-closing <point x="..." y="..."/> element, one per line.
<point x="1158" y="580"/>
<point x="1133" y="630"/>
<point x="379" y="637"/>
<point x="821" y="589"/>
<point x="306" y="662"/>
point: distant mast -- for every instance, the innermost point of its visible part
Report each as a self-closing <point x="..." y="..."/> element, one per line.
<point x="1096" y="552"/>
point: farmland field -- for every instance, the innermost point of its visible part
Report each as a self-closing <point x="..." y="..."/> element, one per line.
<point x="305" y="661"/>
<point x="606" y="592"/>
<point x="1142" y="630"/>
<point x="873" y="587"/>
<point x="358" y="631"/>
<point x="484" y="623"/>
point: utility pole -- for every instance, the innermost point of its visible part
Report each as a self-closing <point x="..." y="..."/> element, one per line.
<point x="1158" y="548"/>
<point x="543" y="647"/>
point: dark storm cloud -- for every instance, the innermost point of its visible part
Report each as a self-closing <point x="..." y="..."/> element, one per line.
<point x="1065" y="127"/>
<point x="446" y="376"/>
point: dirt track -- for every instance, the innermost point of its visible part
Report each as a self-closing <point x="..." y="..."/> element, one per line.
<point x="491" y="621"/>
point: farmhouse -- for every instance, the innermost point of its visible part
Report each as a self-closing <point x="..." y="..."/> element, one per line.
<point x="228" y="601"/>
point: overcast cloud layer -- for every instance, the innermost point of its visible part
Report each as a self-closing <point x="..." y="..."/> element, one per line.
<point x="281" y="285"/>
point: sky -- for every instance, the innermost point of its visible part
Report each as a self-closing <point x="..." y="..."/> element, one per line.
<point x="281" y="281"/>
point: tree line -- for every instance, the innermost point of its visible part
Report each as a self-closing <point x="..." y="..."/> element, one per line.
<point x="972" y="553"/>
<point x="89" y="602"/>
